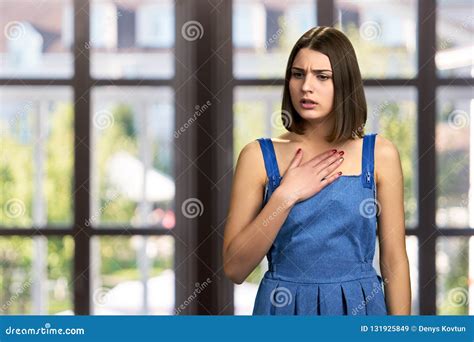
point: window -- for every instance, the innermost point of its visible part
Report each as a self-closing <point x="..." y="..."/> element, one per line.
<point x="91" y="203"/>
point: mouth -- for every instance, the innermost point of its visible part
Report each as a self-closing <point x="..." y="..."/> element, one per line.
<point x="308" y="103"/>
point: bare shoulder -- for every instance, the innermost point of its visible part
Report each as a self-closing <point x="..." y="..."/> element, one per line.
<point x="387" y="157"/>
<point x="251" y="161"/>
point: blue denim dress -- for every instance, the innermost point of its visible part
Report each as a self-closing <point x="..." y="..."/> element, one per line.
<point x="321" y="260"/>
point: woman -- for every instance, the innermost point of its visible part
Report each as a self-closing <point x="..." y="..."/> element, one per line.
<point x="318" y="220"/>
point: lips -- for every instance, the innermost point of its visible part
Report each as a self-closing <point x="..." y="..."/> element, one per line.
<point x="308" y="103"/>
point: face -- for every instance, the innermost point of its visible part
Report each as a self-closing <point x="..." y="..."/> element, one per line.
<point x="311" y="84"/>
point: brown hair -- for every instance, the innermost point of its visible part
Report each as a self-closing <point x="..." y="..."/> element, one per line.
<point x="349" y="105"/>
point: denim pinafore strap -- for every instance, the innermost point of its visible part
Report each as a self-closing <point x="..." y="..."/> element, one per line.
<point x="273" y="172"/>
<point x="321" y="261"/>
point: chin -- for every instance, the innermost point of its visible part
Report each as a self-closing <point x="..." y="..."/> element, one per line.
<point x="315" y="117"/>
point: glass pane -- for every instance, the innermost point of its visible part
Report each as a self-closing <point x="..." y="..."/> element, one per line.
<point x="36" y="38"/>
<point x="453" y="285"/>
<point x="16" y="277"/>
<point x="455" y="107"/>
<point x="391" y="112"/>
<point x="132" y="39"/>
<point x="257" y="113"/>
<point x="36" y="158"/>
<point x="264" y="33"/>
<point x="132" y="172"/>
<point x="47" y="290"/>
<point x="133" y="276"/>
<point x="454" y="38"/>
<point x="383" y="34"/>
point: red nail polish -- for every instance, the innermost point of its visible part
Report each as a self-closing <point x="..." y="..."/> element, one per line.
<point x="341" y="153"/>
<point x="339" y="173"/>
<point x="298" y="150"/>
<point x="334" y="151"/>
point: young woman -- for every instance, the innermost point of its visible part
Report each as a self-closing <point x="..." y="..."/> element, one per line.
<point x="317" y="219"/>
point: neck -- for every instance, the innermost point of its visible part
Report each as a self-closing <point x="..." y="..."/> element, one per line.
<point x="316" y="131"/>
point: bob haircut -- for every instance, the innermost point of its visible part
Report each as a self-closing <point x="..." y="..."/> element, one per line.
<point x="349" y="104"/>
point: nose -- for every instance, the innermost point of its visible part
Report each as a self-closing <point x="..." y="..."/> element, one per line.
<point x="307" y="86"/>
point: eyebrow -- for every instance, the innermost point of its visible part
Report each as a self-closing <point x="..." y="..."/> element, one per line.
<point x="314" y="70"/>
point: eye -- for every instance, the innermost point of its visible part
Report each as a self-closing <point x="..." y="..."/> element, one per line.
<point x="297" y="74"/>
<point x="323" y="77"/>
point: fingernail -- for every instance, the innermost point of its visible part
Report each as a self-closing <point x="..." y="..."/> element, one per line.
<point x="334" y="151"/>
<point x="339" y="173"/>
<point x="341" y="153"/>
<point x="298" y="150"/>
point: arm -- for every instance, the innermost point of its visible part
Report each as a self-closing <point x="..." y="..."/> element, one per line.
<point x="249" y="233"/>
<point x="391" y="226"/>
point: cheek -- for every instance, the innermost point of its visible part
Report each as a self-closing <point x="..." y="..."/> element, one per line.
<point x="328" y="91"/>
<point x="293" y="89"/>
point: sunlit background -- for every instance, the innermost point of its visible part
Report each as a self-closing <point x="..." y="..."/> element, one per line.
<point x="132" y="144"/>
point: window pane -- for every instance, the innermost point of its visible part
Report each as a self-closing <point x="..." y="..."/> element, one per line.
<point x="47" y="290"/>
<point x="454" y="157"/>
<point x="392" y="114"/>
<point x="132" y="39"/>
<point x="455" y="38"/>
<point x="133" y="276"/>
<point x="132" y="173"/>
<point x="452" y="265"/>
<point x="36" y="159"/>
<point x="36" y="38"/>
<point x="264" y="33"/>
<point x="257" y="113"/>
<point x="383" y="34"/>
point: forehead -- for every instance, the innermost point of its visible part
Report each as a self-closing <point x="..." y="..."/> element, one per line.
<point x="308" y="58"/>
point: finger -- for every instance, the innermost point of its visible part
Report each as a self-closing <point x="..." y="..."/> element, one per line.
<point x="320" y="157"/>
<point x="327" y="162"/>
<point x="330" y="169"/>
<point x="296" y="159"/>
<point x="328" y="180"/>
